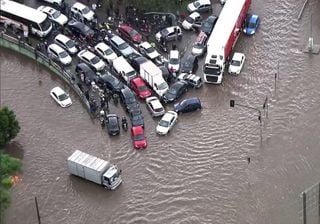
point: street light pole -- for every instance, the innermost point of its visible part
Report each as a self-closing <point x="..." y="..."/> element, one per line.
<point x="233" y="103"/>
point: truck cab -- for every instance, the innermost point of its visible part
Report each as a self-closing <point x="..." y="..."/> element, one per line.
<point x="112" y="178"/>
<point x="213" y="68"/>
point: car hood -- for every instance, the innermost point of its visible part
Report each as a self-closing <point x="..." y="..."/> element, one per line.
<point x="168" y="97"/>
<point x="89" y="16"/>
<point x="186" y="25"/>
<point x="162" y="130"/>
<point x="100" y="65"/>
<point x="111" y="56"/>
<point x="66" y="103"/>
<point x="140" y="144"/>
<point x="62" y="19"/>
<point x="153" y="55"/>
<point x="234" y="69"/>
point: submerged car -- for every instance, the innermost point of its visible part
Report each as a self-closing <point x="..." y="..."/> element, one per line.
<point x="167" y="122"/>
<point x="200" y="6"/>
<point x="140" y="88"/>
<point x="174" y="61"/>
<point x="251" y="25"/>
<point x="169" y="34"/>
<point x="147" y="50"/>
<point x="136" y="118"/>
<point x="175" y="91"/>
<point x="138" y="138"/>
<point x="105" y="52"/>
<point x="189" y="64"/>
<point x="208" y="24"/>
<point x="66" y="43"/>
<point x="200" y="46"/>
<point x="192" y="21"/>
<point x="236" y="63"/>
<point x="155" y="107"/>
<point x="54" y="14"/>
<point x="91" y="59"/>
<point x="57" y="53"/>
<point x="127" y="32"/>
<point x="112" y="122"/>
<point x="188" y="105"/>
<point x="60" y="97"/>
<point x="192" y="79"/>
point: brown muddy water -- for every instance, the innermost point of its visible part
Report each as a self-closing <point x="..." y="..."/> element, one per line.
<point x="199" y="173"/>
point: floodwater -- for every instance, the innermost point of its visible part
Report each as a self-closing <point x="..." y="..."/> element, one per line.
<point x="199" y="173"/>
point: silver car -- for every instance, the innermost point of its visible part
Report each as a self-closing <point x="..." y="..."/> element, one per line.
<point x="155" y="107"/>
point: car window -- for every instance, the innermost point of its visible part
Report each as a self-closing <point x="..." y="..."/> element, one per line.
<point x="54" y="94"/>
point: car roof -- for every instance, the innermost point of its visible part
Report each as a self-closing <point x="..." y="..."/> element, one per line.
<point x="167" y="116"/>
<point x="88" y="54"/>
<point x="79" y="5"/>
<point x="156" y="103"/>
<point x="253" y="17"/>
<point x="56" y="48"/>
<point x="145" y="45"/>
<point x="62" y="37"/>
<point x="174" y="54"/>
<point x="178" y="84"/>
<point x="138" y="81"/>
<point x="58" y="90"/>
<point x="118" y="40"/>
<point x="47" y="9"/>
<point x="102" y="46"/>
<point x="194" y="15"/>
<point x="191" y="100"/>
<point x="126" y="91"/>
<point x="137" y="130"/>
<point x="126" y="27"/>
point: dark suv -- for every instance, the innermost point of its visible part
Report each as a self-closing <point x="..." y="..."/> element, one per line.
<point x="80" y="29"/>
<point x="89" y="74"/>
<point x="113" y="127"/>
<point x="188" y="105"/>
<point x="110" y="82"/>
<point x="128" y="99"/>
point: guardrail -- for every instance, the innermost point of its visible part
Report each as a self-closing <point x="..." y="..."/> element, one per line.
<point x="21" y="47"/>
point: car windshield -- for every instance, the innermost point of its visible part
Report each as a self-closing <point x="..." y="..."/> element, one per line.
<point x="213" y="70"/>
<point x="172" y="91"/>
<point x="139" y="137"/>
<point x="56" y="14"/>
<point x="163" y="85"/>
<point x="85" y="10"/>
<point x="235" y="63"/>
<point x="95" y="60"/>
<point x="251" y="25"/>
<point x="174" y="61"/>
<point x="206" y="25"/>
<point x="45" y="24"/>
<point x="133" y="32"/>
<point x="189" y="20"/>
<point x="164" y="123"/>
<point x="70" y="44"/>
<point x="113" y="123"/>
<point x="123" y="46"/>
<point x="130" y="100"/>
<point x="63" y="97"/>
<point x="137" y="117"/>
<point x="63" y="54"/>
<point x="150" y="50"/>
<point x="196" y="4"/>
<point x="108" y="51"/>
<point x="143" y="88"/>
<point x="131" y="74"/>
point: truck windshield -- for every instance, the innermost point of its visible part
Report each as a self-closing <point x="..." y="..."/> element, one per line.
<point x="163" y="85"/>
<point x="212" y="70"/>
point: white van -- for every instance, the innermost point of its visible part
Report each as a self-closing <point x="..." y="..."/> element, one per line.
<point x="123" y="69"/>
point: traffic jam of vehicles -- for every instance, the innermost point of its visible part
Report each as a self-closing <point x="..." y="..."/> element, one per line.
<point x="123" y="63"/>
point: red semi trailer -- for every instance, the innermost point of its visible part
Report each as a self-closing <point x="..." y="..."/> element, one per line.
<point x="223" y="38"/>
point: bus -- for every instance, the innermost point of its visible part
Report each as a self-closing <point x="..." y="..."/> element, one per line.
<point x="24" y="18"/>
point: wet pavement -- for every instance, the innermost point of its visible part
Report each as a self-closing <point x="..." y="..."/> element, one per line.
<point x="199" y="173"/>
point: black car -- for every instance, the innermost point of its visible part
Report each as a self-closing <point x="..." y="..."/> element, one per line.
<point x="110" y="82"/>
<point x="165" y="73"/>
<point x="88" y="73"/>
<point x="208" y="24"/>
<point x="136" y="118"/>
<point x="112" y="122"/>
<point x="136" y="60"/>
<point x="128" y="99"/>
<point x="188" y="105"/>
<point x="175" y="91"/>
<point x="80" y="29"/>
<point x="189" y="64"/>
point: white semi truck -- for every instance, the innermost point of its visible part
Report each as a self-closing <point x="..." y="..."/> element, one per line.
<point x="94" y="169"/>
<point x="152" y="74"/>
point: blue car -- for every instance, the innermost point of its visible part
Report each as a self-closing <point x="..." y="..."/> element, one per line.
<point x="251" y="25"/>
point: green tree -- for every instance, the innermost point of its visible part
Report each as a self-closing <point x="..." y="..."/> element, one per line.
<point x="9" y="126"/>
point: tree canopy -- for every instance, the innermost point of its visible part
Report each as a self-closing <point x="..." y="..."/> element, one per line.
<point x="9" y="126"/>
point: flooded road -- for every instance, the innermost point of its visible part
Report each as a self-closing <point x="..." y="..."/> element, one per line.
<point x="199" y="173"/>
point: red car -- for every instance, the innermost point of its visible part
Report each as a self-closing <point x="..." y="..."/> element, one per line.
<point x="138" y="138"/>
<point x="140" y="88"/>
<point x="129" y="33"/>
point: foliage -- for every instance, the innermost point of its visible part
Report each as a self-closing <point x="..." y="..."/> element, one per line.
<point x="9" y="165"/>
<point x="6" y="182"/>
<point x="9" y="126"/>
<point x="160" y="6"/>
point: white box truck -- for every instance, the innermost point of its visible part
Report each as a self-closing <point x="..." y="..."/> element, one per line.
<point x="94" y="169"/>
<point x="152" y="74"/>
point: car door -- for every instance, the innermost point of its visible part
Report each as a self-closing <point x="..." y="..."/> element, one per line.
<point x="100" y="52"/>
<point x="86" y="60"/>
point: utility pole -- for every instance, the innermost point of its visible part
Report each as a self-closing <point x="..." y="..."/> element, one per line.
<point x="37" y="208"/>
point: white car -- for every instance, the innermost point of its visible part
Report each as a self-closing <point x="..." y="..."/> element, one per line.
<point x="60" y="97"/>
<point x="174" y="61"/>
<point x="91" y="59"/>
<point x="54" y="14"/>
<point x="55" y="2"/>
<point x="82" y="11"/>
<point x="57" y="53"/>
<point x="193" y="20"/>
<point x="200" y="6"/>
<point x="169" y="34"/>
<point x="167" y="122"/>
<point x="236" y="63"/>
<point x="155" y="107"/>
<point x="105" y="52"/>
<point x="147" y="50"/>
<point x="66" y="43"/>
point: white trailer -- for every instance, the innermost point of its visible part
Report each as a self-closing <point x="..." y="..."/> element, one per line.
<point x="94" y="169"/>
<point x="152" y="74"/>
